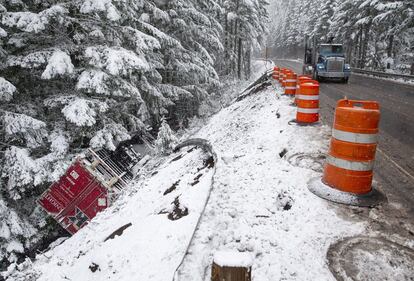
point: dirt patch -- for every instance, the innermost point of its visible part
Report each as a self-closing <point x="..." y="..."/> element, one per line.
<point x="284" y="201"/>
<point x="118" y="232"/>
<point x="196" y="180"/>
<point x="178" y="212"/>
<point x="283" y="153"/>
<point x="192" y="149"/>
<point x="171" y="188"/>
<point x="177" y="158"/>
<point x="209" y="162"/>
<point x="94" y="267"/>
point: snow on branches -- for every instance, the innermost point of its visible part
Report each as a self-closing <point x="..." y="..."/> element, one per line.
<point x="20" y="170"/>
<point x="83" y="112"/>
<point x="58" y="64"/>
<point x="7" y="90"/>
<point x="106" y="6"/>
<point x="32" y="22"/>
<point x="116" y="61"/>
<point x="109" y="137"/>
<point x="25" y="128"/>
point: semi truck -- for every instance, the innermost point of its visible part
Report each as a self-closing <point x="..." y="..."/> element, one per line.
<point x="325" y="61"/>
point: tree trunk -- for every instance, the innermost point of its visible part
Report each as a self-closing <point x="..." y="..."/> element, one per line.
<point x="365" y="46"/>
<point x="359" y="47"/>
<point x="248" y="69"/>
<point x="239" y="59"/>
<point x="226" y="44"/>
<point x="389" y="49"/>
<point x="235" y="45"/>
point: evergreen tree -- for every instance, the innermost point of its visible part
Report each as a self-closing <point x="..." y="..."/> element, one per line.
<point x="166" y="139"/>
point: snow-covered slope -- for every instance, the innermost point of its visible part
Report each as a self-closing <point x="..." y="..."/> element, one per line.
<point x="259" y="204"/>
<point x="163" y="210"/>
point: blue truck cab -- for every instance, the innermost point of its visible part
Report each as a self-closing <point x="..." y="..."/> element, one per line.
<point x="331" y="64"/>
<point x="325" y="61"/>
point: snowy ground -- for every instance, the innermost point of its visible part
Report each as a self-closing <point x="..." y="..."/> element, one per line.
<point x="153" y="246"/>
<point x="259" y="204"/>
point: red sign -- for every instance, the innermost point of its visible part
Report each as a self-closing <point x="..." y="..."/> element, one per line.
<point x="76" y="198"/>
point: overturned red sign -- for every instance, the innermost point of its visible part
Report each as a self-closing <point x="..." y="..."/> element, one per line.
<point x="85" y="189"/>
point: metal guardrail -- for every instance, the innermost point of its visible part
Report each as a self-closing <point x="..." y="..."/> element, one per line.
<point x="383" y="74"/>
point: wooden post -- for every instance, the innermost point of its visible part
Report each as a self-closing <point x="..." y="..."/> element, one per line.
<point x="232" y="266"/>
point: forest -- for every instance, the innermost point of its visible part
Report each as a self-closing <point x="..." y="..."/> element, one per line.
<point x="377" y="34"/>
<point x="95" y="73"/>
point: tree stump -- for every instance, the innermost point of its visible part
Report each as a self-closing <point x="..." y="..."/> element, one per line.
<point x="232" y="266"/>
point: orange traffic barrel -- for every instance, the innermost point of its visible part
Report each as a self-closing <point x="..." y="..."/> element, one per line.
<point x="287" y="71"/>
<point x="275" y="74"/>
<point x="308" y="103"/>
<point x="281" y="73"/>
<point x="302" y="79"/>
<point x="290" y="84"/>
<point x="353" y="145"/>
<point x="348" y="170"/>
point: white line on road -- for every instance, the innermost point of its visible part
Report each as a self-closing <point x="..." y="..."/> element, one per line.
<point x="396" y="164"/>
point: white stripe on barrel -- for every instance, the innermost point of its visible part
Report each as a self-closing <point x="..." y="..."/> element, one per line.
<point x="354" y="137"/>
<point x="307" y="97"/>
<point x="308" y="110"/>
<point x="351" y="165"/>
<point x="290" y="88"/>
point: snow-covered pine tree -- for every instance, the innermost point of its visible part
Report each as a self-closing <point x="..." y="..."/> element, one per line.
<point x="323" y="22"/>
<point x="188" y="63"/>
<point x="245" y="23"/>
<point x="85" y="73"/>
<point x="166" y="139"/>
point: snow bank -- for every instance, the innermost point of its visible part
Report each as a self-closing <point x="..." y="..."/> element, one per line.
<point x="233" y="259"/>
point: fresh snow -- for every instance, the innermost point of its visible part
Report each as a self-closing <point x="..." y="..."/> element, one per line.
<point x="116" y="60"/>
<point x="109" y="137"/>
<point x="32" y="22"/>
<point x="82" y="112"/>
<point x="58" y="64"/>
<point x="233" y="259"/>
<point x="259" y="205"/>
<point x="154" y="245"/>
<point x="31" y="129"/>
<point x="7" y="90"/>
<point x="93" y="6"/>
<point x="3" y="33"/>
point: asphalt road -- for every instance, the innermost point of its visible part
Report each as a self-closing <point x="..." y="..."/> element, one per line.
<point x="394" y="170"/>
